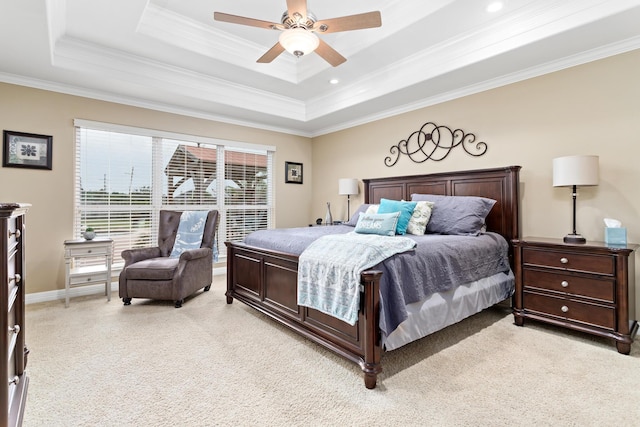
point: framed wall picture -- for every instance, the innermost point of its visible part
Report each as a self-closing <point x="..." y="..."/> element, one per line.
<point x="26" y="150"/>
<point x="293" y="173"/>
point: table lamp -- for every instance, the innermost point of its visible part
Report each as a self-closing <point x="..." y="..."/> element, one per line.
<point x="575" y="171"/>
<point x="347" y="187"/>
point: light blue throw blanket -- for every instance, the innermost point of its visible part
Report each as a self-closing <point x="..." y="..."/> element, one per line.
<point x="329" y="270"/>
<point x="190" y="231"/>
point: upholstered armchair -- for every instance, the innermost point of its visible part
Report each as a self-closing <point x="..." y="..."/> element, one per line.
<point x="160" y="273"/>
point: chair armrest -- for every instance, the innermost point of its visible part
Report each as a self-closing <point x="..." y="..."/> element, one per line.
<point x="134" y="255"/>
<point x="192" y="254"/>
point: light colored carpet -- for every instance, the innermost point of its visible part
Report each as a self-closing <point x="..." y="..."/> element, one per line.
<point x="98" y="363"/>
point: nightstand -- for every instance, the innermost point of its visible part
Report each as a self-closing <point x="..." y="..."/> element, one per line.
<point x="87" y="262"/>
<point x="588" y="288"/>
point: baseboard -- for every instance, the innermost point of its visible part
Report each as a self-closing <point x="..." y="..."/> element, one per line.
<point x="58" y="294"/>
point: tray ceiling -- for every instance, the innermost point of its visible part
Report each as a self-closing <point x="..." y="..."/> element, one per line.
<point x="171" y="55"/>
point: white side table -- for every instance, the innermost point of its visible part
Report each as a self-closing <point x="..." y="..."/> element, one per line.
<point x="78" y="274"/>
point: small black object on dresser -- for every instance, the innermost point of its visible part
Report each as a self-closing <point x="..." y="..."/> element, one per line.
<point x="585" y="287"/>
<point x="13" y="394"/>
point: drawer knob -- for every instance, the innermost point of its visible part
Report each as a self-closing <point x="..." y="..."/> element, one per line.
<point x="563" y="260"/>
<point x="564" y="283"/>
<point x="17" y="278"/>
<point x="564" y="308"/>
<point x="15" y="329"/>
<point x="16" y="233"/>
<point x="89" y="251"/>
<point x="15" y="380"/>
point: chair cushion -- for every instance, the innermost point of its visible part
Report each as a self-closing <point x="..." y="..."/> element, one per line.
<point x="152" y="269"/>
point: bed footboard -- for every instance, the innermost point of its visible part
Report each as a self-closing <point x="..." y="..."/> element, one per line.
<point x="267" y="281"/>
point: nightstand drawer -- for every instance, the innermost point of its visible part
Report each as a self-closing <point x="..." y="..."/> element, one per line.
<point x="87" y="252"/>
<point x="569" y="309"/>
<point x="590" y="287"/>
<point x="599" y="264"/>
<point x="88" y="278"/>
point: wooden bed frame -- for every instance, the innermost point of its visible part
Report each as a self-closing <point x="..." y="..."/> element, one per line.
<point x="267" y="280"/>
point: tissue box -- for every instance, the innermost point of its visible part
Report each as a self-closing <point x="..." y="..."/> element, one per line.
<point x="615" y="236"/>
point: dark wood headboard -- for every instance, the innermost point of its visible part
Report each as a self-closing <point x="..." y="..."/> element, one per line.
<point x="500" y="184"/>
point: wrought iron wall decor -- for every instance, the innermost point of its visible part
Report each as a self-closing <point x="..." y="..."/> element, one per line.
<point x="434" y="142"/>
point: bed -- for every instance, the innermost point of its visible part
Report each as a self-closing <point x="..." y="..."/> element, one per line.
<point x="266" y="279"/>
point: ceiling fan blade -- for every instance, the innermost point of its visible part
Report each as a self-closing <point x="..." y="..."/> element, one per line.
<point x="271" y="54"/>
<point x="348" y="23"/>
<point x="299" y="6"/>
<point x="329" y="54"/>
<point x="233" y="19"/>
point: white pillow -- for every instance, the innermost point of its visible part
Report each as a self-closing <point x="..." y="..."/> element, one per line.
<point x="420" y="217"/>
<point x="373" y="209"/>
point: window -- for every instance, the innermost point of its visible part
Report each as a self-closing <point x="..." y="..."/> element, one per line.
<point x="125" y="176"/>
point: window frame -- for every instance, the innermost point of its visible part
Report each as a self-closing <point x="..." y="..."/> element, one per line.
<point x="156" y="202"/>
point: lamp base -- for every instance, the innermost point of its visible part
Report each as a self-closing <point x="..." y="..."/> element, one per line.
<point x="574" y="238"/>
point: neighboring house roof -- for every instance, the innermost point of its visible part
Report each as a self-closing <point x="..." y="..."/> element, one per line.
<point x="188" y="154"/>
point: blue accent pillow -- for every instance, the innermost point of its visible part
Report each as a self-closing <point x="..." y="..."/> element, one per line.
<point x="405" y="209"/>
<point x="382" y="224"/>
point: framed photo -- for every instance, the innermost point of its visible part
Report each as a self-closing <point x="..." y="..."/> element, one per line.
<point x="293" y="173"/>
<point x="26" y="150"/>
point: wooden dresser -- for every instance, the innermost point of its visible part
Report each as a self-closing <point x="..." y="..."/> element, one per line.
<point x="14" y="352"/>
<point x="588" y="288"/>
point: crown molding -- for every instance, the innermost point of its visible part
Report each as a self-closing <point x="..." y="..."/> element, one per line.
<point x="142" y="103"/>
<point x="78" y="55"/>
<point x="532" y="72"/>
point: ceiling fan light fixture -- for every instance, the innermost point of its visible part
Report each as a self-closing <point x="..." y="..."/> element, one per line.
<point x="299" y="41"/>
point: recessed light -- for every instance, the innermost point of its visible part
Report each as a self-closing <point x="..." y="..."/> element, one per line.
<point x="495" y="6"/>
<point x="334" y="81"/>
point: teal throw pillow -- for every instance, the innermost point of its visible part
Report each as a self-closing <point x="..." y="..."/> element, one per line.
<point x="405" y="209"/>
<point x="382" y="224"/>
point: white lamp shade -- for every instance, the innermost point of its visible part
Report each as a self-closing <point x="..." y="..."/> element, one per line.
<point x="347" y="186"/>
<point x="575" y="170"/>
<point x="298" y="41"/>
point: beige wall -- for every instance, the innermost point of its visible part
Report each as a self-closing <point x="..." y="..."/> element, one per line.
<point x="50" y="220"/>
<point x="589" y="109"/>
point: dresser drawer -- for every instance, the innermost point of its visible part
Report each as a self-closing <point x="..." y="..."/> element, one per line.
<point x="12" y="280"/>
<point x="13" y="330"/>
<point x="599" y="264"/>
<point x="575" y="311"/>
<point x="89" y="251"/>
<point x="584" y="286"/>
<point x="11" y="374"/>
<point x="11" y="232"/>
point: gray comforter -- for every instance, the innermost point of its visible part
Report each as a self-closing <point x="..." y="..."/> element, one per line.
<point x="438" y="263"/>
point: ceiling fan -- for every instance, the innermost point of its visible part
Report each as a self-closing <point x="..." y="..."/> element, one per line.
<point x="299" y="26"/>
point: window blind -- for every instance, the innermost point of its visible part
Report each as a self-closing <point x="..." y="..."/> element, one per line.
<point x="247" y="193"/>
